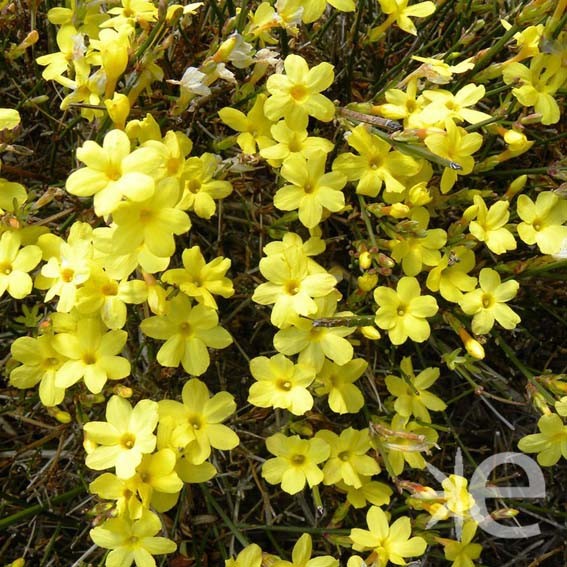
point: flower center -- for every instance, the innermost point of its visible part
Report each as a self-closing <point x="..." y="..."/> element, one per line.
<point x="374" y="162"/>
<point x="6" y="268"/>
<point x="173" y="165"/>
<point x="146" y="215"/>
<point x="51" y="362"/>
<point x="128" y="440"/>
<point x="298" y="459"/>
<point x="298" y="93"/>
<point x="295" y="145"/>
<point x="110" y="288"/>
<point x="402" y="309"/>
<point x="344" y="455"/>
<point x="292" y="287"/>
<point x="196" y="422"/>
<point x="487" y="301"/>
<point x="308" y="188"/>
<point x="113" y="173"/>
<point x="284" y="385"/>
<point x="194" y="186"/>
<point x="67" y="275"/>
<point x="185" y="329"/>
<point x="537" y="225"/>
<point x="89" y="358"/>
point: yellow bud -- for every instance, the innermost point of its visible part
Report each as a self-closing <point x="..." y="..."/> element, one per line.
<point x="225" y="49"/>
<point x="516" y="186"/>
<point x="18" y="562"/>
<point x="367" y="282"/>
<point x="504" y="513"/>
<point x="122" y="391"/>
<point x="399" y="210"/>
<point x="370" y="332"/>
<point x="418" y="195"/>
<point x="60" y="415"/>
<point x="174" y="12"/>
<point x="118" y="109"/>
<point x="365" y="260"/>
<point x="472" y="346"/>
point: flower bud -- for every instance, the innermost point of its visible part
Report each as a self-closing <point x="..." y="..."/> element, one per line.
<point x="370" y="332"/>
<point x="365" y="260"/>
<point x="118" y="109"/>
<point x="367" y="282"/>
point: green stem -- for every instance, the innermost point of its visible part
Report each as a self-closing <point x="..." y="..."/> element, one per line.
<point x="34" y="510"/>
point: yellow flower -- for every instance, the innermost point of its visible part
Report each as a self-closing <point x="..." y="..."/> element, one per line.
<point x="68" y="266"/>
<point x="293" y="141"/>
<point x="281" y="384"/>
<point x="201" y="190"/>
<point x="315" y="343"/>
<point x="489" y="226"/>
<point x="421" y="248"/>
<point x="457" y="146"/>
<point x="125" y="436"/>
<point x="542" y="221"/>
<point x="15" y="263"/>
<point x="376" y="493"/>
<point x="295" y="463"/>
<point x="462" y="553"/>
<point x="450" y="277"/>
<point x="291" y="287"/>
<point x="250" y="556"/>
<point x="254" y="128"/>
<point x="488" y="303"/>
<point x="197" y="422"/>
<point x="301" y="556"/>
<point x="550" y="443"/>
<point x="376" y="164"/>
<point x="411" y="391"/>
<point x="348" y="461"/>
<point x="132" y="540"/>
<point x="399" y="12"/>
<point x="151" y="222"/>
<point x="201" y="280"/>
<point x="539" y="83"/>
<point x="388" y="542"/>
<point x="104" y="294"/>
<point x="113" y="172"/>
<point x="40" y="363"/>
<point x="444" y="104"/>
<point x="338" y="382"/>
<point x="91" y="355"/>
<point x="311" y="190"/>
<point x="403" y="312"/>
<point x="297" y="94"/>
<point x="188" y="331"/>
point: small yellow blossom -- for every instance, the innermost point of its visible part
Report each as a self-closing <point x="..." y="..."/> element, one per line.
<point x="281" y="384"/>
<point x="388" y="542"/>
<point x="297" y="94"/>
<point x="132" y="540"/>
<point x="295" y="462"/>
<point x="199" y="279"/>
<point x="348" y="460"/>
<point x="411" y="391"/>
<point x="550" y="443"/>
<point x="542" y="221"/>
<point x="15" y="263"/>
<point x="125" y="436"/>
<point x="312" y="191"/>
<point x="490" y="225"/>
<point x="403" y="313"/>
<point x="488" y="303"/>
<point x="301" y="555"/>
<point x="187" y="332"/>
